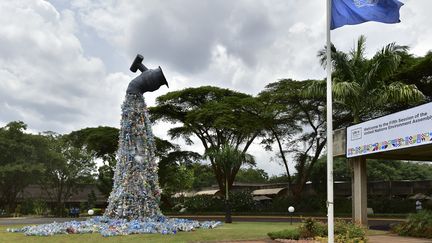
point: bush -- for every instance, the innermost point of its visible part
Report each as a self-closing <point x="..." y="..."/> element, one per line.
<point x="391" y="205"/>
<point x="310" y="228"/>
<point x="292" y="234"/>
<point x="345" y="232"/>
<point x="29" y="207"/>
<point x="39" y="207"/>
<point x="417" y="225"/>
<point x="349" y="232"/>
<point x="241" y="201"/>
<point x="98" y="211"/>
<point x="204" y="203"/>
<point x="17" y="212"/>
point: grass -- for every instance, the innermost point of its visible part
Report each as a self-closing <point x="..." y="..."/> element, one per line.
<point x="234" y="231"/>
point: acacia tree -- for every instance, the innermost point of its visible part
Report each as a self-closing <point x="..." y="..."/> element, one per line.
<point x="295" y="123"/>
<point x="215" y="116"/>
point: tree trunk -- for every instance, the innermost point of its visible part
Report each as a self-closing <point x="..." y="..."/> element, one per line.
<point x="59" y="205"/>
<point x="297" y="189"/>
<point x="228" y="218"/>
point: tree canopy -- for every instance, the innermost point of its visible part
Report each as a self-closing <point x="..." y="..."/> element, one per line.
<point x="416" y="71"/>
<point x="22" y="156"/>
<point x="67" y="170"/>
<point x="214" y="115"/>
<point x="363" y="86"/>
<point x="102" y="142"/>
<point x="175" y="167"/>
<point x="295" y="125"/>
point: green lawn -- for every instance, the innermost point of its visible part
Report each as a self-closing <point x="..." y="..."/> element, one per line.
<point x="234" y="231"/>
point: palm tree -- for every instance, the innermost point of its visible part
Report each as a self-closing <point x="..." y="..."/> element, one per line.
<point x="362" y="86"/>
<point x="228" y="159"/>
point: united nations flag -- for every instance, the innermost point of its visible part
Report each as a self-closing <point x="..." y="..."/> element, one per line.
<point x="351" y="12"/>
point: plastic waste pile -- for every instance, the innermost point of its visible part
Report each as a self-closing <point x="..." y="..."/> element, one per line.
<point x="114" y="227"/>
<point x="136" y="192"/>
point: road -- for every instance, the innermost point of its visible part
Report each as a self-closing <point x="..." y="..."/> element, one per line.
<point x="374" y="223"/>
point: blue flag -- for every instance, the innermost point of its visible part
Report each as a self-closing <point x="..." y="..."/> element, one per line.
<point x="350" y="12"/>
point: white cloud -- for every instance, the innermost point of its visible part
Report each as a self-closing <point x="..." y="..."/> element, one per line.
<point x="46" y="78"/>
<point x="63" y="64"/>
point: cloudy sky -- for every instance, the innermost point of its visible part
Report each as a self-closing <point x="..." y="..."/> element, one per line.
<point x="64" y="64"/>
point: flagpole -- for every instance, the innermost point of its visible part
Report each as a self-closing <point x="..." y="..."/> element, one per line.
<point x="330" y="205"/>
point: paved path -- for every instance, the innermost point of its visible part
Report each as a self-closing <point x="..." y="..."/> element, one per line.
<point x="396" y="239"/>
<point x="387" y="238"/>
<point x="267" y="241"/>
<point x="372" y="239"/>
<point x="374" y="223"/>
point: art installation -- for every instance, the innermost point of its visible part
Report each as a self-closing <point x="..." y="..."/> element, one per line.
<point x="136" y="192"/>
<point x="133" y="205"/>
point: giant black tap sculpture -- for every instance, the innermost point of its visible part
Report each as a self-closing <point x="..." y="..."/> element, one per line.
<point x="149" y="80"/>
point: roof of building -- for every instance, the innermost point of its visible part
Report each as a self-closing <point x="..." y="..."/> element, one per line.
<point x="207" y="192"/>
<point x="184" y="194"/>
<point x="264" y="192"/>
<point x="261" y="198"/>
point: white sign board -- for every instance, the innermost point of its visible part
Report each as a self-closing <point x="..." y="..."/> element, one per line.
<point x="408" y="128"/>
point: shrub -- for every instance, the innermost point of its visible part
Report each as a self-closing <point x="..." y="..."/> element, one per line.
<point x="27" y="207"/>
<point x="349" y="232"/>
<point x="292" y="234"/>
<point x="417" y="225"/>
<point x="310" y="228"/>
<point x="39" y="207"/>
<point x="241" y="201"/>
<point x="30" y="206"/>
<point x="204" y="203"/>
<point x="17" y="211"/>
<point x="97" y="211"/>
<point x="391" y="205"/>
<point x="345" y="232"/>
